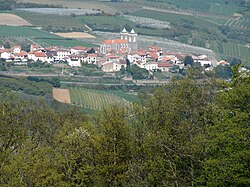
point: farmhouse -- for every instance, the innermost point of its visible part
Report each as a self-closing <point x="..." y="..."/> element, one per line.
<point x="37" y="56"/>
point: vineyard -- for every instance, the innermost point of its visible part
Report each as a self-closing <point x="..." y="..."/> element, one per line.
<point x="231" y="50"/>
<point x="95" y="99"/>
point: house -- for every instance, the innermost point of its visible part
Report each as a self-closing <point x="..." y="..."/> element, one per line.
<point x="91" y="58"/>
<point x="223" y="63"/>
<point x="152" y="57"/>
<point x="110" y="66"/>
<point x="62" y="53"/>
<point x="151" y="66"/>
<point x="136" y="57"/>
<point x="78" y="50"/>
<point x="37" y="56"/>
<point x="5" y="53"/>
<point x="16" y="49"/>
<point x="22" y="55"/>
<point x="74" y="60"/>
<point x="164" y="66"/>
<point x="52" y="56"/>
<point x="157" y="50"/>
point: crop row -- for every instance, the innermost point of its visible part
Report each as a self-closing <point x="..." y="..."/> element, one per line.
<point x="94" y="99"/>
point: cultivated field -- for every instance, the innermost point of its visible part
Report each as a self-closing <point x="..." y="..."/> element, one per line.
<point x="75" y="35"/>
<point x="61" y="11"/>
<point x="12" y="20"/>
<point x="94" y="99"/>
<point x="84" y="4"/>
<point x="61" y="95"/>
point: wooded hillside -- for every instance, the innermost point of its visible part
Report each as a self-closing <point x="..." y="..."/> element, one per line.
<point x="190" y="133"/>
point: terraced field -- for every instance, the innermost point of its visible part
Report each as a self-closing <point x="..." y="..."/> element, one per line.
<point x="95" y="99"/>
<point x="232" y="50"/>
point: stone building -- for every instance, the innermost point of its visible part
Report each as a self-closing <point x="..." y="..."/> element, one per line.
<point x="128" y="40"/>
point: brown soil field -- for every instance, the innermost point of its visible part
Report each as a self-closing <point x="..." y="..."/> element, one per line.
<point x="75" y="35"/>
<point x="84" y="4"/>
<point x="12" y="20"/>
<point x="61" y="95"/>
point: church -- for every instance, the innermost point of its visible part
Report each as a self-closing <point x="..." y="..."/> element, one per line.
<point x="128" y="41"/>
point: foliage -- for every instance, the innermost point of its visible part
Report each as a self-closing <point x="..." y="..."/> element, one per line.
<point x="188" y="133"/>
<point x="24" y="85"/>
<point x="137" y="73"/>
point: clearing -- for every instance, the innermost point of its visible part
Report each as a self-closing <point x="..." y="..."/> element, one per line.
<point x="75" y="35"/>
<point x="61" y="95"/>
<point x="13" y="20"/>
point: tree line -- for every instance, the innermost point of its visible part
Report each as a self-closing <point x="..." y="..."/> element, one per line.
<point x="189" y="133"/>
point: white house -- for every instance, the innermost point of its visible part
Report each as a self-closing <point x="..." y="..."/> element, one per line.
<point x="112" y="66"/>
<point x="151" y="66"/>
<point x="16" y="49"/>
<point x="138" y="56"/>
<point x="164" y="66"/>
<point x="78" y="50"/>
<point x="35" y="56"/>
<point x="91" y="58"/>
<point x="5" y="53"/>
<point x="62" y="53"/>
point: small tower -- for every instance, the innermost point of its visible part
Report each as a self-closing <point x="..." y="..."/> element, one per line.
<point x="124" y="34"/>
<point x="133" y="43"/>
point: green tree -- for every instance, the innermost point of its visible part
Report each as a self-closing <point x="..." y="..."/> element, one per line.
<point x="227" y="152"/>
<point x="188" y="60"/>
<point x="113" y="148"/>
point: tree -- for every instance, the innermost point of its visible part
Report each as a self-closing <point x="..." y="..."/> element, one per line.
<point x="223" y="72"/>
<point x="113" y="148"/>
<point x="227" y="149"/>
<point x="188" y="60"/>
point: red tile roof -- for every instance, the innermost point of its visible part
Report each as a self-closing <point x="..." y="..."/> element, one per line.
<point x="165" y="64"/>
<point x="117" y="41"/>
<point x="40" y="54"/>
<point x="79" y="48"/>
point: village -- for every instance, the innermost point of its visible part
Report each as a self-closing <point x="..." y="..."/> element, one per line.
<point x="112" y="55"/>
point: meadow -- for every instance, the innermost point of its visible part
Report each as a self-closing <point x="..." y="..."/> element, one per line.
<point x="95" y="99"/>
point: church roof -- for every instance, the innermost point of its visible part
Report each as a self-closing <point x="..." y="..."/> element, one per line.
<point x="124" y="30"/>
<point x="132" y="31"/>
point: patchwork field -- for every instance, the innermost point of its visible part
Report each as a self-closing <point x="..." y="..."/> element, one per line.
<point x="12" y="20"/>
<point x="75" y="35"/>
<point x="42" y="37"/>
<point x="61" y="95"/>
<point x="95" y="99"/>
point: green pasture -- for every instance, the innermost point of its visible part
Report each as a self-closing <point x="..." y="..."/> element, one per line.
<point x="95" y="99"/>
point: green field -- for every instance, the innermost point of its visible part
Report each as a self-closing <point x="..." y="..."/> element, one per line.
<point x="55" y="21"/>
<point x="95" y="99"/>
<point x="175" y="18"/>
<point x="30" y="32"/>
<point x="40" y="36"/>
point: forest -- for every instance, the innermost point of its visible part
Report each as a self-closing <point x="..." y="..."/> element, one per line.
<point x="191" y="132"/>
